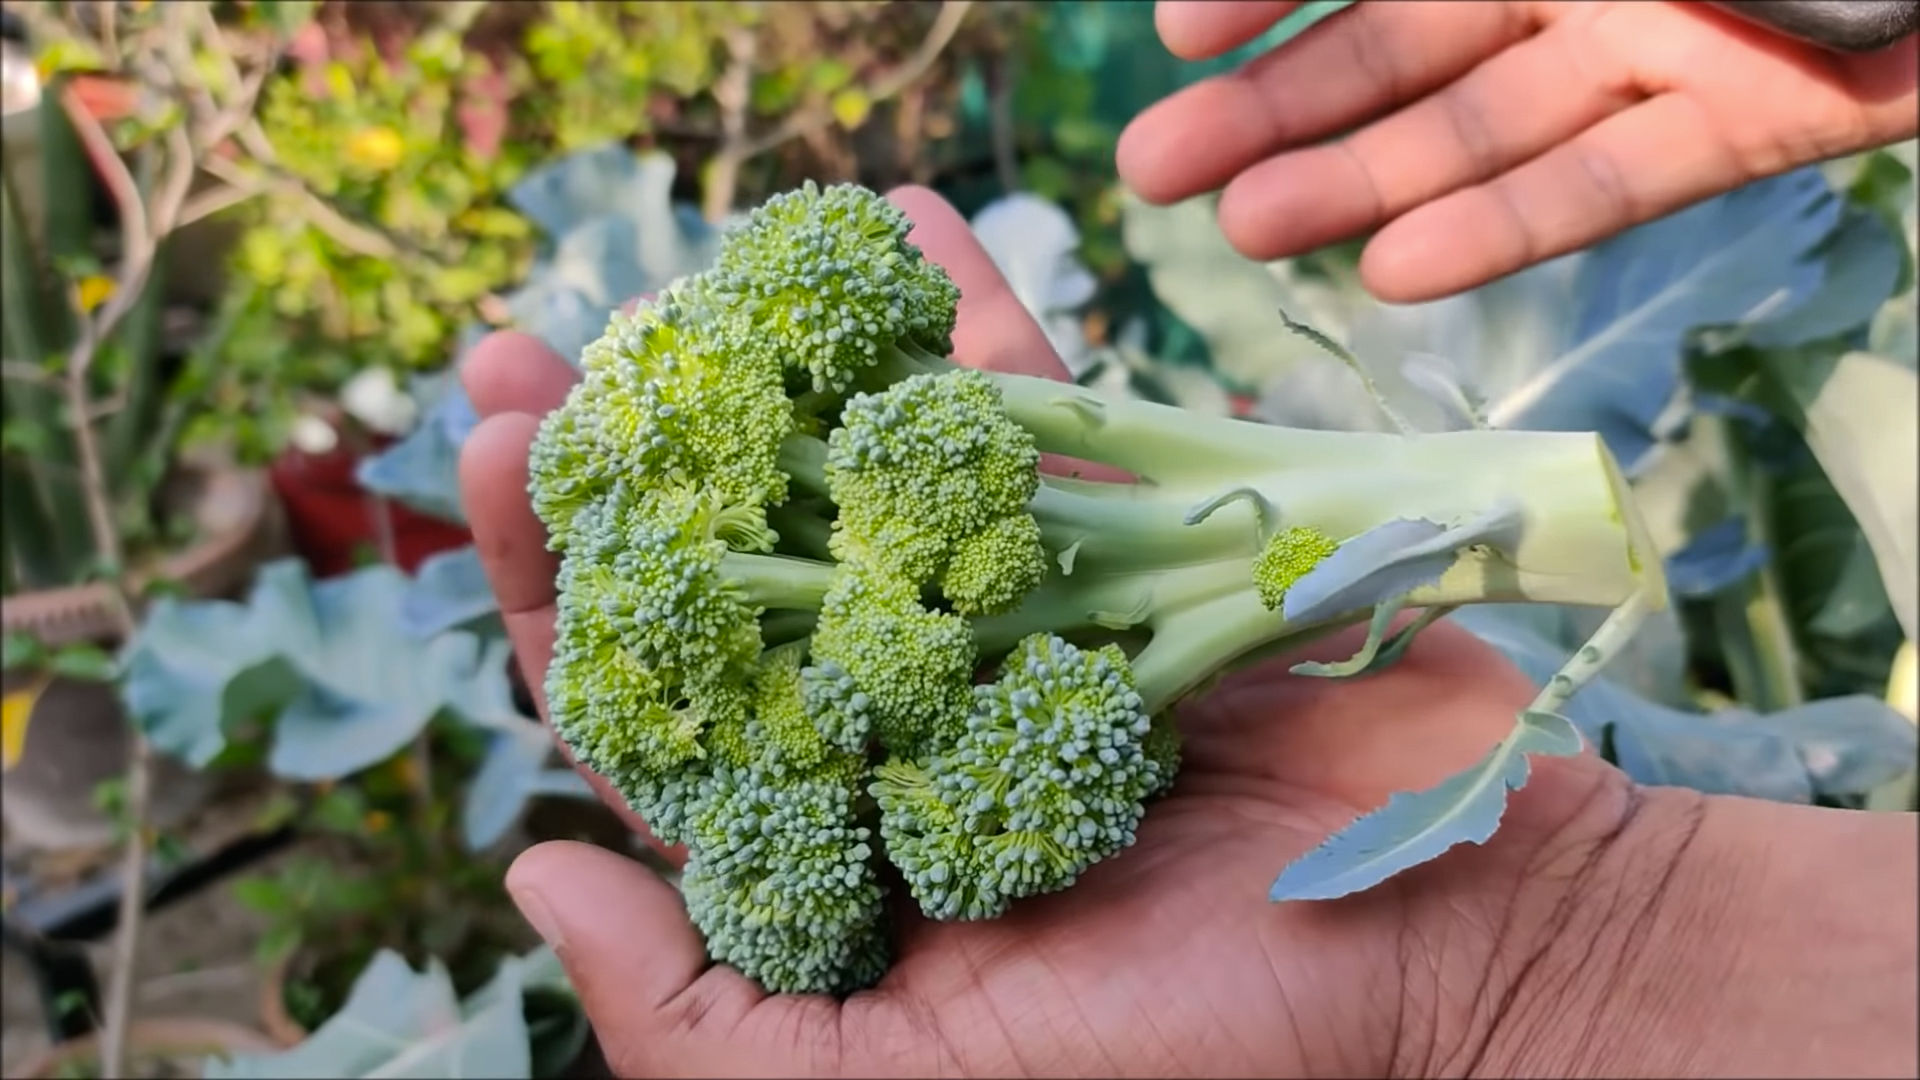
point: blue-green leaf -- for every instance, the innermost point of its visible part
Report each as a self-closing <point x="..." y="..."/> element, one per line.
<point x="1417" y="827"/>
<point x="1857" y="413"/>
<point x="356" y="685"/>
<point x="1831" y="747"/>
<point x="1391" y="560"/>
<point x="1594" y="341"/>
<point x="401" y="1023"/>
<point x="1033" y="243"/>
<point x="1715" y="558"/>
<point x="450" y="591"/>
<point x="515" y="771"/>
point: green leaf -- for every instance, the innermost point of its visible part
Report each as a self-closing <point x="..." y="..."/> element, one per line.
<point x="1413" y="828"/>
<point x="1857" y="413"/>
<point x="354" y="685"/>
<point x="1831" y="747"/>
<point x="22" y="651"/>
<point x="84" y="661"/>
<point x="400" y="1023"/>
<point x="263" y="894"/>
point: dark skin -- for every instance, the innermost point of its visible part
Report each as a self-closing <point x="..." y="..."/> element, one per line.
<point x="1167" y="960"/>
<point x="1479" y="138"/>
<point x="1607" y="929"/>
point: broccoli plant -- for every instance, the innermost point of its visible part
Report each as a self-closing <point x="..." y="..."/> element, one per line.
<point x="820" y="609"/>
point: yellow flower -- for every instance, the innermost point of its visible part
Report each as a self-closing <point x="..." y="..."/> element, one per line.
<point x="378" y="821"/>
<point x="94" y="290"/>
<point x="376" y="148"/>
<point x="15" y="712"/>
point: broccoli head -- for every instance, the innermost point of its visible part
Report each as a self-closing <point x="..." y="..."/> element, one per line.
<point x="820" y="612"/>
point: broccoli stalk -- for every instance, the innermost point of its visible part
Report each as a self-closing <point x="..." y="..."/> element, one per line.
<point x="1178" y="552"/>
<point x="819" y="609"/>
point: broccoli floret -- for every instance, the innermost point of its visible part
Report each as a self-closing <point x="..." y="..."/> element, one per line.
<point x="780" y="877"/>
<point x="794" y="534"/>
<point x="932" y="481"/>
<point x="1050" y="777"/>
<point x="886" y="668"/>
<point x="829" y="283"/>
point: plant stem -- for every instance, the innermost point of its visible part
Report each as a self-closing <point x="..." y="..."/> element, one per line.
<point x="737" y="146"/>
<point x="1762" y="658"/>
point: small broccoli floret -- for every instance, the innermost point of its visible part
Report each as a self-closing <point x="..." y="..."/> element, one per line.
<point x="793" y="532"/>
<point x="780" y="879"/>
<point x="930" y="473"/>
<point x="828" y="281"/>
<point x="1049" y="778"/>
<point x="886" y="667"/>
<point x="671" y="393"/>
<point x="1286" y="559"/>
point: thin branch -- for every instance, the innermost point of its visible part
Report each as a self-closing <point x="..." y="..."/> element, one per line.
<point x="1006" y="154"/>
<point x="100" y="410"/>
<point x="733" y="91"/>
<point x="348" y="234"/>
<point x="137" y="242"/>
<point x="208" y="203"/>
<point x="939" y="36"/>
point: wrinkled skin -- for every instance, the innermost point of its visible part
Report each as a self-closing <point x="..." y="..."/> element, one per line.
<point x="1167" y="960"/>
<point x="1481" y="137"/>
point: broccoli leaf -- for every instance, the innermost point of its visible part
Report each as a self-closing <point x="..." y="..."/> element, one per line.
<point x="1594" y="341"/>
<point x="515" y="769"/>
<point x="357" y="686"/>
<point x="1715" y="558"/>
<point x="401" y="1023"/>
<point x="450" y="591"/>
<point x="1416" y="827"/>
<point x="1831" y="747"/>
<point x="1388" y="562"/>
<point x="1857" y="413"/>
<point x="1234" y="303"/>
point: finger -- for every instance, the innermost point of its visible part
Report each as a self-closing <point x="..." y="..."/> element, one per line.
<point x="640" y="969"/>
<point x="1522" y="102"/>
<point x="1358" y="65"/>
<point x="1633" y="167"/>
<point x="1202" y="31"/>
<point x="509" y="371"/>
<point x="512" y="544"/>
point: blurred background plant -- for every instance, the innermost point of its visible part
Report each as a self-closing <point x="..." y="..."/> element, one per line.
<point x="304" y="637"/>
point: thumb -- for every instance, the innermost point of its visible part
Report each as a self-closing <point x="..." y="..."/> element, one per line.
<point x="641" y="971"/>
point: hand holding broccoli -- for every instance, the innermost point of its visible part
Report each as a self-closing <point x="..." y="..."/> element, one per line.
<point x="1168" y="959"/>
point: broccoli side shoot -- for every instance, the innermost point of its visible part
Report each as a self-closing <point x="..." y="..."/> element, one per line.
<point x="819" y="610"/>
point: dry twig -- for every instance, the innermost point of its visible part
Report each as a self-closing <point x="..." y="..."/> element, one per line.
<point x="738" y="147"/>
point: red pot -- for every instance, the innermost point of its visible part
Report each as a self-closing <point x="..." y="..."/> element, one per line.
<point x="336" y="525"/>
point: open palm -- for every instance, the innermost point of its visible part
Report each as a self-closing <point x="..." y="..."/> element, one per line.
<point x="1166" y="960"/>
<point x="1479" y="138"/>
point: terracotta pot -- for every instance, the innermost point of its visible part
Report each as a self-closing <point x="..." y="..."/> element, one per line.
<point x="184" y="1040"/>
<point x="335" y="523"/>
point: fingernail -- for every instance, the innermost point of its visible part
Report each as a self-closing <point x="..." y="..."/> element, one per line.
<point x="534" y="909"/>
